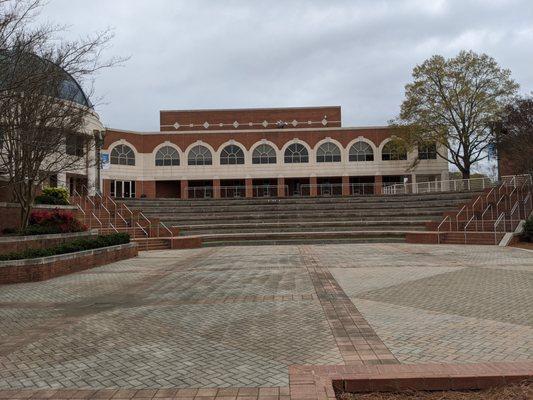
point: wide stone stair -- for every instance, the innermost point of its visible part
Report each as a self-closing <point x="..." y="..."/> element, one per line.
<point x="301" y="220"/>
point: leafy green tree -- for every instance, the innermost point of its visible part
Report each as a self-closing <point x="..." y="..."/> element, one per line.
<point x="454" y="103"/>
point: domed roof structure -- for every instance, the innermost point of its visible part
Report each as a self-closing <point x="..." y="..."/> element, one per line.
<point x="64" y="86"/>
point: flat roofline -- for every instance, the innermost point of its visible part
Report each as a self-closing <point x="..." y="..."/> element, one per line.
<point x="251" y="109"/>
<point x="237" y="131"/>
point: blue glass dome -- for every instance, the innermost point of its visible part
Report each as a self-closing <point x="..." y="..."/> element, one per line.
<point x="67" y="87"/>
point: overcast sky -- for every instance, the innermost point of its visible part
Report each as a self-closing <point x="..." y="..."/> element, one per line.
<point x="275" y="53"/>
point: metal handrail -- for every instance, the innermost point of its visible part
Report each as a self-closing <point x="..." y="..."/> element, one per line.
<point x="500" y="218"/>
<point x="88" y="197"/>
<point x="98" y="219"/>
<point x="139" y="225"/>
<point x="498" y="204"/>
<point x="442" y="186"/>
<point x="468" y="223"/>
<point x="511" y="213"/>
<point x="438" y="227"/>
<point x="128" y="209"/>
<point x="149" y="222"/>
<point x="113" y="226"/>
<point x="491" y="207"/>
<point x="489" y="193"/>
<point x="475" y="202"/>
<point x="166" y="227"/>
<point x="354" y="186"/>
<point x="526" y="201"/>
<point x="464" y="208"/>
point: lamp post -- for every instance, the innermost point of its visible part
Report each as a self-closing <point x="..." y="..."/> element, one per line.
<point x="98" y="143"/>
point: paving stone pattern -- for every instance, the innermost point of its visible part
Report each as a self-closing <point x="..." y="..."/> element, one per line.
<point x="238" y="317"/>
<point x="469" y="304"/>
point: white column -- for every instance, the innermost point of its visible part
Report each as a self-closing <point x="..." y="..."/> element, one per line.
<point x="413" y="182"/>
<point x="91" y="171"/>
<point x="62" y="179"/>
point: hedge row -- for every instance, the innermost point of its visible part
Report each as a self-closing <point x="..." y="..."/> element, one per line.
<point x="70" y="247"/>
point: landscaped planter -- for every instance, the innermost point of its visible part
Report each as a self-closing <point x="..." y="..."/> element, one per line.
<point x="9" y="244"/>
<point x="10" y="213"/>
<point x="40" y="269"/>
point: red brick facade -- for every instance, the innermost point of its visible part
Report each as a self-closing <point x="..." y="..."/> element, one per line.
<point x="259" y="118"/>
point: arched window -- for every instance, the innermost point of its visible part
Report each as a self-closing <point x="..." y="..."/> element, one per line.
<point x="231" y="155"/>
<point x="264" y="154"/>
<point x="328" y="152"/>
<point x="427" y="151"/>
<point x="167" y="156"/>
<point x="393" y="152"/>
<point x="200" y="155"/>
<point x="296" y="153"/>
<point x="361" y="151"/>
<point x="122" y="155"/>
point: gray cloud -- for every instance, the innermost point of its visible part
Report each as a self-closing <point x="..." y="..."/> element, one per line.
<point x="270" y="53"/>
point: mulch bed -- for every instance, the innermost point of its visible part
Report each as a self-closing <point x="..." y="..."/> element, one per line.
<point x="522" y="391"/>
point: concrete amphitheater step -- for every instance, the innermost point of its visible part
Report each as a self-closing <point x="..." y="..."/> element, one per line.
<point x="303" y="237"/>
<point x="302" y="216"/>
<point x="301" y="226"/>
<point x="300" y="200"/>
<point x="276" y="207"/>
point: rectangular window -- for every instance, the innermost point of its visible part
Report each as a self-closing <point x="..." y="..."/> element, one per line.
<point x="427" y="152"/>
<point x="75" y="145"/>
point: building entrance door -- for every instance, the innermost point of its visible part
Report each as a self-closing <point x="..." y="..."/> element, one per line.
<point x="122" y="189"/>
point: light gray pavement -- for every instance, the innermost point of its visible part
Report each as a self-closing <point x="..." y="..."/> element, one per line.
<point x="239" y="316"/>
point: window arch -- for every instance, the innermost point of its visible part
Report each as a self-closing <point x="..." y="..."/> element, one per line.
<point x="167" y="156"/>
<point x="122" y="155"/>
<point x="200" y="155"/>
<point x="392" y="152"/>
<point x="296" y="153"/>
<point x="264" y="154"/>
<point x="361" y="151"/>
<point x="328" y="152"/>
<point x="231" y="155"/>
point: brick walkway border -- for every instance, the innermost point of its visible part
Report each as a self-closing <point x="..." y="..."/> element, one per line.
<point x="243" y="393"/>
<point x="358" y="343"/>
<point x="318" y="382"/>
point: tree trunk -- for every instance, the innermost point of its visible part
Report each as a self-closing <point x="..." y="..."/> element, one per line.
<point x="466" y="174"/>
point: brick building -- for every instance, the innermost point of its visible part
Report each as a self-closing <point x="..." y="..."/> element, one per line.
<point x="302" y="151"/>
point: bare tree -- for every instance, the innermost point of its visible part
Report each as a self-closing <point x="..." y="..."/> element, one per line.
<point x="454" y="103"/>
<point x="515" y="136"/>
<point x="43" y="110"/>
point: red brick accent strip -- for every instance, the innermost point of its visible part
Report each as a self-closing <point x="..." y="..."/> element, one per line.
<point x="235" y="393"/>
<point x="358" y="343"/>
<point x="189" y="242"/>
<point x="317" y="382"/>
<point x="40" y="269"/>
<point x="421" y="237"/>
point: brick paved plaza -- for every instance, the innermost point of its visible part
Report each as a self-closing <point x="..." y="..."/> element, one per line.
<point x="234" y="317"/>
